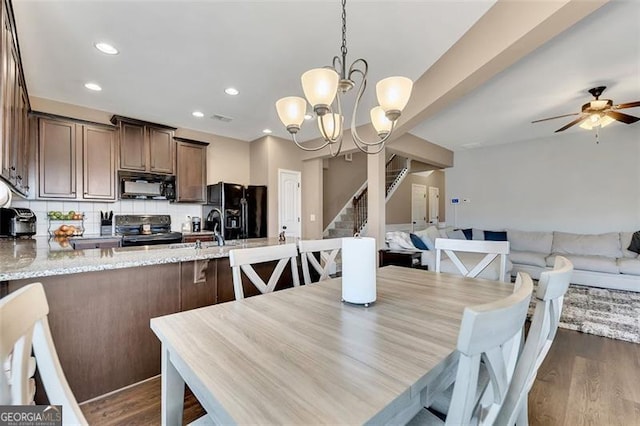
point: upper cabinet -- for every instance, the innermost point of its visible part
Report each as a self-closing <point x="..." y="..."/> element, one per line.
<point x="14" y="105"/>
<point x="76" y="160"/>
<point x="191" y="171"/>
<point x="145" y="147"/>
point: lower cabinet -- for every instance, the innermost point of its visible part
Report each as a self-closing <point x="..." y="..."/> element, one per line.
<point x="76" y="160"/>
<point x="100" y="320"/>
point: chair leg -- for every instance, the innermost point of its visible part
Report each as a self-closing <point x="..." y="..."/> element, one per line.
<point x="523" y="415"/>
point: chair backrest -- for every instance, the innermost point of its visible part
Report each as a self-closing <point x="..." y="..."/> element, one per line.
<point x="328" y="250"/>
<point x="23" y="326"/>
<point x="492" y="249"/>
<point x="484" y="330"/>
<point x="242" y="259"/>
<point x="549" y="296"/>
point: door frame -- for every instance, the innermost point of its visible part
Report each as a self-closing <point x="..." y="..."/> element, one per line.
<point x="281" y="201"/>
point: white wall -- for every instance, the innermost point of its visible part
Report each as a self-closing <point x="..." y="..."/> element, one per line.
<point x="562" y="183"/>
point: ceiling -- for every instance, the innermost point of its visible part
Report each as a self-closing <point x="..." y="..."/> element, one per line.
<point x="179" y="56"/>
<point x="602" y="49"/>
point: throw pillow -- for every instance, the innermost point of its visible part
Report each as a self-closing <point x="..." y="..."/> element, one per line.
<point x="456" y="235"/>
<point x="468" y="233"/>
<point x="417" y="241"/>
<point x="477" y="234"/>
<point x="495" y="235"/>
<point x="635" y="243"/>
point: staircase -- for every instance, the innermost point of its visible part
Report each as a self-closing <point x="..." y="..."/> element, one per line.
<point x="353" y="216"/>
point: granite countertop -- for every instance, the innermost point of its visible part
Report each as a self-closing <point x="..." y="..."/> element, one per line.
<point x="41" y="257"/>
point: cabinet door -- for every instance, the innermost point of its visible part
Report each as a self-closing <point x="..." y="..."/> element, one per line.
<point x="191" y="173"/>
<point x="57" y="159"/>
<point x="162" y="150"/>
<point x="21" y="145"/>
<point x="10" y="68"/>
<point x="99" y="163"/>
<point x="133" y="147"/>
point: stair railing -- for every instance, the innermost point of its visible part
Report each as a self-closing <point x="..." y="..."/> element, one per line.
<point x="394" y="166"/>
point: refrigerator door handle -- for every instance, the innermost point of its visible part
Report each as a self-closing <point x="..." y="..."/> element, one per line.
<point x="245" y="219"/>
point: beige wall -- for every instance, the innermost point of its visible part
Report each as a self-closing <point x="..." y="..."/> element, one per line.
<point x="227" y="158"/>
<point x="312" y="190"/>
<point x="259" y="174"/>
<point x="268" y="154"/>
<point x="340" y="180"/>
<point x="399" y="205"/>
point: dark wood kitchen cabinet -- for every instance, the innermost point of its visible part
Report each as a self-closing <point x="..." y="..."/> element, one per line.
<point x="145" y="147"/>
<point x="14" y="103"/>
<point x="76" y="160"/>
<point x="191" y="171"/>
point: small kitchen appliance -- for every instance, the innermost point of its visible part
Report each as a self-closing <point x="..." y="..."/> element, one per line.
<point x="17" y="222"/>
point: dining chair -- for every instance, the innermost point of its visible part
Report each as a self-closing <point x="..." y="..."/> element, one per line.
<point x="328" y="250"/>
<point x="549" y="296"/>
<point x="491" y="249"/>
<point x="23" y="326"/>
<point x="241" y="260"/>
<point x="484" y="330"/>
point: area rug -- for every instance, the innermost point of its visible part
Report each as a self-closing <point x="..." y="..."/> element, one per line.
<point x="603" y="312"/>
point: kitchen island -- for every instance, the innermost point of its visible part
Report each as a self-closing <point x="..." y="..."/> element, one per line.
<point x="101" y="301"/>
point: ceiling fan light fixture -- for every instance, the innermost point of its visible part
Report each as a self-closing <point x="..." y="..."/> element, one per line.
<point x="596" y="120"/>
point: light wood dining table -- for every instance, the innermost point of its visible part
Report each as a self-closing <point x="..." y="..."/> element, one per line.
<point x="301" y="356"/>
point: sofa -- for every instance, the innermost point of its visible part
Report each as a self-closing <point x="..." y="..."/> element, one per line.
<point x="401" y="240"/>
<point x="599" y="260"/>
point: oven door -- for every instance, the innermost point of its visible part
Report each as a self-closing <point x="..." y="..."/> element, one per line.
<point x="151" y="240"/>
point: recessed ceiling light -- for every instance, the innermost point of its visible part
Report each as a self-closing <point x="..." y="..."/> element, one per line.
<point x="231" y="91"/>
<point x="308" y="117"/>
<point x="267" y="131"/>
<point x="106" y="48"/>
<point x="197" y="114"/>
<point x="93" y="86"/>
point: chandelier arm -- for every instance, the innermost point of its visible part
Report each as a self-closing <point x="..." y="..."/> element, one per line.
<point x="304" y="148"/>
<point x="354" y="133"/>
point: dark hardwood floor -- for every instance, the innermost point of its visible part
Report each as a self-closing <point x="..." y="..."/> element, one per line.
<point x="585" y="380"/>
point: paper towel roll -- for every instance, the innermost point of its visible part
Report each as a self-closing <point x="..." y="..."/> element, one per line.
<point x="359" y="270"/>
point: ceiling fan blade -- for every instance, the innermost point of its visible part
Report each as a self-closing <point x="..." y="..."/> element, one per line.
<point x="628" y="105"/>
<point x="573" y="123"/>
<point x="553" y="118"/>
<point x="625" y="118"/>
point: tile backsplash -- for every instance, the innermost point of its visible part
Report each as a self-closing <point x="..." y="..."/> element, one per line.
<point x="91" y="211"/>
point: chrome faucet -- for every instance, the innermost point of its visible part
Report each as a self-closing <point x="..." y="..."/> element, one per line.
<point x="219" y="238"/>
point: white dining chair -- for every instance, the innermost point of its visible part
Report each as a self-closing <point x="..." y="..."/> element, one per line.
<point x="474" y="264"/>
<point x="549" y="296"/>
<point x="241" y="260"/>
<point x="484" y="330"/>
<point x="23" y="326"/>
<point x="328" y="250"/>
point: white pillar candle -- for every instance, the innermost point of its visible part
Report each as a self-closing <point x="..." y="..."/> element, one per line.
<point x="359" y="270"/>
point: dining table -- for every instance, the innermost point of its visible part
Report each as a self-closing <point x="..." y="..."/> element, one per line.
<point x="303" y="356"/>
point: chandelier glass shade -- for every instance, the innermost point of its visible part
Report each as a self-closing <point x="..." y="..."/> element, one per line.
<point x="323" y="89"/>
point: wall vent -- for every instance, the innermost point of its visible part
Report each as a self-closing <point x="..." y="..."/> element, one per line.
<point x="223" y="118"/>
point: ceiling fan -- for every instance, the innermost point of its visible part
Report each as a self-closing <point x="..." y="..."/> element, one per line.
<point x="598" y="113"/>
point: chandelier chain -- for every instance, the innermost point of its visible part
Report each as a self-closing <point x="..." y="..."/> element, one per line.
<point x="344" y="29"/>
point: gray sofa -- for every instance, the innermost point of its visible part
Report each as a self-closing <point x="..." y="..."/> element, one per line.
<point x="599" y="260"/>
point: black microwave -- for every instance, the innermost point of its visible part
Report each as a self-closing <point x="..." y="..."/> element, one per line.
<point x="147" y="186"/>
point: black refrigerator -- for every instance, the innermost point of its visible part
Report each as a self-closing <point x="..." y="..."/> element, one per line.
<point x="236" y="211"/>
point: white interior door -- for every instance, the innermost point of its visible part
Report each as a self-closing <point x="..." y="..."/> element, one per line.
<point x="289" y="202"/>
<point x="418" y="206"/>
<point x="434" y="204"/>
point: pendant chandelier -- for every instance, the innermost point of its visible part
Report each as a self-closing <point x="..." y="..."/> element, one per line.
<point x="323" y="88"/>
